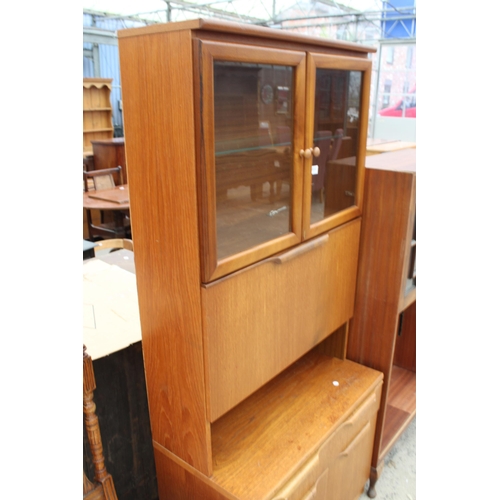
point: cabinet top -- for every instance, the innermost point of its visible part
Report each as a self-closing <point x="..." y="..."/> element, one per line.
<point x="243" y="29"/>
<point x="404" y="160"/>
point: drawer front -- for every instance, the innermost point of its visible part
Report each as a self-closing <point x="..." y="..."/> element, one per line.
<point x="347" y="453"/>
<point x="320" y="489"/>
<point x="309" y="483"/>
<point x="260" y="320"/>
<point x="347" y="432"/>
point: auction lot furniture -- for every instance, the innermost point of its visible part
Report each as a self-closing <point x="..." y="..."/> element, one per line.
<point x="111" y="199"/>
<point x="97" y="111"/>
<point x="383" y="330"/>
<point x="245" y="276"/>
<point x="110" y="153"/>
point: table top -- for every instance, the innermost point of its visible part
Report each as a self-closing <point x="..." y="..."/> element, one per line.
<point x="116" y="198"/>
<point x="389" y="146"/>
<point x="110" y="304"/>
<point x="375" y="142"/>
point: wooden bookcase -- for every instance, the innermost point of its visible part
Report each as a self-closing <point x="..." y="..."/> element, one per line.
<point x="246" y="277"/>
<point x="383" y="329"/>
<point x="97" y="111"/>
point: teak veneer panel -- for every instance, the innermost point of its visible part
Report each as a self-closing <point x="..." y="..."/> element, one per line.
<point x="264" y="442"/>
<point x="256" y="32"/>
<point x="166" y="252"/>
<point x="380" y="271"/>
<point x="382" y="298"/>
<point x="274" y="312"/>
<point x="265" y="437"/>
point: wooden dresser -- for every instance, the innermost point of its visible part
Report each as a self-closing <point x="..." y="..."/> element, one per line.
<point x="109" y="153"/>
<point x="246" y="275"/>
<point x="383" y="330"/>
<point x="97" y="111"/>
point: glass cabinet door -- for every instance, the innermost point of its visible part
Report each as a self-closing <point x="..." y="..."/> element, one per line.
<point x="338" y="91"/>
<point x="251" y="99"/>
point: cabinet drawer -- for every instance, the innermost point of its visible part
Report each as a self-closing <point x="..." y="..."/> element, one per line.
<point x="260" y="320"/>
<point x="344" y="436"/>
<point x="307" y="484"/>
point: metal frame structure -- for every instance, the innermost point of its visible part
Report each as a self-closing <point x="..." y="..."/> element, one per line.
<point x="385" y="21"/>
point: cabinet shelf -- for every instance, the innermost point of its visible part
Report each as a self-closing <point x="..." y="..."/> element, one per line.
<point x="97" y="130"/>
<point x="96" y="109"/>
<point x="270" y="433"/>
<point x="401" y="405"/>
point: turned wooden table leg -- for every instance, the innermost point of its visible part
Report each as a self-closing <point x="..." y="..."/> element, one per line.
<point x="92" y="426"/>
<point x="374" y="475"/>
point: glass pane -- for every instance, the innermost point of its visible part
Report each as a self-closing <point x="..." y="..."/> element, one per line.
<point x="253" y="154"/>
<point x="397" y="94"/>
<point x="336" y="131"/>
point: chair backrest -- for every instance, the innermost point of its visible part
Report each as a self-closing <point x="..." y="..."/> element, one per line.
<point x="337" y="142"/>
<point x="102" y="179"/>
<point x="322" y="140"/>
<point x="125" y="243"/>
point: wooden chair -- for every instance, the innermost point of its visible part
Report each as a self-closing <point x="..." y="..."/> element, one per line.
<point x="323" y="141"/>
<point x="115" y="243"/>
<point x="119" y="227"/>
<point x="329" y="145"/>
<point x="102" y="488"/>
<point x="102" y="179"/>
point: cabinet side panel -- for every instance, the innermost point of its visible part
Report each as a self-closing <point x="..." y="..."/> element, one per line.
<point x="157" y="85"/>
<point x="261" y="320"/>
<point x="372" y="332"/>
<point x="178" y="481"/>
<point x="381" y="262"/>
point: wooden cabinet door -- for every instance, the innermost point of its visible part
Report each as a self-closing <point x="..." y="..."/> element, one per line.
<point x="251" y="106"/>
<point x="337" y="103"/>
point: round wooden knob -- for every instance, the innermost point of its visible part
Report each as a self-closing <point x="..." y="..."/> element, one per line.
<point x="316" y="151"/>
<point x="305" y="154"/>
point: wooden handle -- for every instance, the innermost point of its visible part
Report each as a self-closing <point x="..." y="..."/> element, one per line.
<point x="305" y="153"/>
<point x="301" y="249"/>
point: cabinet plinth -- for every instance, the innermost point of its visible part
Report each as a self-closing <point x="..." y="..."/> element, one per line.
<point x="245" y="262"/>
<point x="383" y="330"/>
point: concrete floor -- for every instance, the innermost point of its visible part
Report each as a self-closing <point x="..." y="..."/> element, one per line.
<point x="398" y="478"/>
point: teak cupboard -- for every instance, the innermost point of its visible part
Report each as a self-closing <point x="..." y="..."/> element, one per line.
<point x="246" y="258"/>
<point x="383" y="329"/>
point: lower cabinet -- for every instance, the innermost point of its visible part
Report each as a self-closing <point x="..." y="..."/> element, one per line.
<point x="307" y="434"/>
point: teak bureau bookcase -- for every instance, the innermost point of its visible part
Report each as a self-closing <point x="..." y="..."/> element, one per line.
<point x="246" y="257"/>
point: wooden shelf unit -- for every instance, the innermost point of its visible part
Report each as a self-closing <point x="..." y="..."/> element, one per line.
<point x="251" y="396"/>
<point x="383" y="330"/>
<point x="97" y="111"/>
